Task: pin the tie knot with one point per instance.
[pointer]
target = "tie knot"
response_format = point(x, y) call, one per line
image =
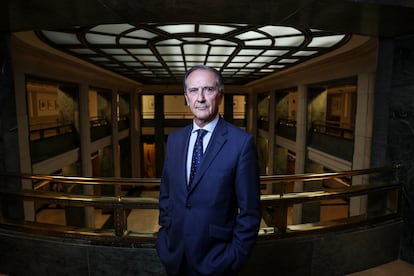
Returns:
point(201, 132)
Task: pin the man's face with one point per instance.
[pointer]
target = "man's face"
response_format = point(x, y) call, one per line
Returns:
point(202, 96)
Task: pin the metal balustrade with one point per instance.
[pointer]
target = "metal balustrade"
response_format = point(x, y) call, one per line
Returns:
point(275, 206)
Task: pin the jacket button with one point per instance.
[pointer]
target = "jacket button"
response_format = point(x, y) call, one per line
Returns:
point(188, 205)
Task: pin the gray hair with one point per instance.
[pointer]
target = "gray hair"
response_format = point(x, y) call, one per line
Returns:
point(219, 79)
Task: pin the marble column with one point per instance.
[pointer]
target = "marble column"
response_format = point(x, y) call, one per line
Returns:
point(301, 134)
point(393, 140)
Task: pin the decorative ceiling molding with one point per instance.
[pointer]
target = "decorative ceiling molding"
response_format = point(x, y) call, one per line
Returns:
point(161, 53)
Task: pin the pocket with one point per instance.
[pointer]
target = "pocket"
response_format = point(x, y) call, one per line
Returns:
point(221, 233)
point(163, 236)
point(166, 223)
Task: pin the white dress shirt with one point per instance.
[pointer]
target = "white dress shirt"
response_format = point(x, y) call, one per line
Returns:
point(206, 139)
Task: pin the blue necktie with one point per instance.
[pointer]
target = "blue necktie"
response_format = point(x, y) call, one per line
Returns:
point(197, 154)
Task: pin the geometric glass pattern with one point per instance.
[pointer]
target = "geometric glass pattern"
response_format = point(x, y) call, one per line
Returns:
point(161, 53)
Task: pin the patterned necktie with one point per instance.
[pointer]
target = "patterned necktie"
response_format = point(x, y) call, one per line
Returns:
point(197, 153)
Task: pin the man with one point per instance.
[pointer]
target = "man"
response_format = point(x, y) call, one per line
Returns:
point(209, 221)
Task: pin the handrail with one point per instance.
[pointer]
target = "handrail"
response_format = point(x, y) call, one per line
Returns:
point(143, 180)
point(326, 175)
point(59, 129)
point(98, 121)
point(279, 203)
point(286, 121)
point(324, 126)
point(302, 197)
point(54, 126)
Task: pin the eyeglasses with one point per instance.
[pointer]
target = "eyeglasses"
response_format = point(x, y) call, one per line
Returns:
point(207, 90)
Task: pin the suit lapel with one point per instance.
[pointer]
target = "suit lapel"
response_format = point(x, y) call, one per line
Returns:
point(218, 139)
point(181, 161)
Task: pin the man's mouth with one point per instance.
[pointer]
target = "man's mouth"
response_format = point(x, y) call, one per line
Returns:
point(201, 107)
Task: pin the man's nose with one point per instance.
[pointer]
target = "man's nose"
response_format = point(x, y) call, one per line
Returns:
point(200, 95)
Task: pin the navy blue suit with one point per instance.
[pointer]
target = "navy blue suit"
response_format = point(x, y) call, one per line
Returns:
point(213, 225)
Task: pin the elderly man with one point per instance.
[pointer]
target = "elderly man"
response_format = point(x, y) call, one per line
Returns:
point(209, 193)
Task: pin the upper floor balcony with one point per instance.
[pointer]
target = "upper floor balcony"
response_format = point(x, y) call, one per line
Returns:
point(47, 141)
point(325, 136)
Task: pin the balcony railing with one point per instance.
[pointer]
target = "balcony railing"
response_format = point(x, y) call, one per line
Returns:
point(275, 206)
point(49, 141)
point(41, 131)
point(263, 123)
point(332, 139)
point(286, 128)
point(332, 128)
point(123, 123)
point(100, 128)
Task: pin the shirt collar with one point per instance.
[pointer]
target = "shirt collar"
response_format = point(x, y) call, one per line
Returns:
point(209, 127)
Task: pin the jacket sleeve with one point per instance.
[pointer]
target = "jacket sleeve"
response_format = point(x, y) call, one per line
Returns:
point(164, 195)
point(247, 188)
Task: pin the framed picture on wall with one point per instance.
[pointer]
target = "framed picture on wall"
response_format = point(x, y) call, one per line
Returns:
point(51, 106)
point(42, 105)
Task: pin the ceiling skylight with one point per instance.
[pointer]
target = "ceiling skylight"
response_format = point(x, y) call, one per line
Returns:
point(161, 53)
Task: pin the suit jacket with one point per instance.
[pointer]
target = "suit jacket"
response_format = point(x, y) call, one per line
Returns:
point(213, 224)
